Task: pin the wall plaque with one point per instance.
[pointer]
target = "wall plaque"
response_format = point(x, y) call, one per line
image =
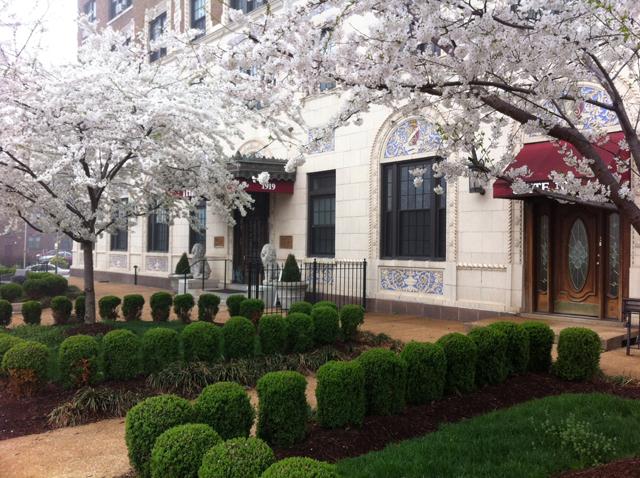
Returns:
point(286, 242)
point(218, 241)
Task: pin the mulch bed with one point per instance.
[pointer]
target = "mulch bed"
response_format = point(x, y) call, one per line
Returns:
point(627, 468)
point(89, 329)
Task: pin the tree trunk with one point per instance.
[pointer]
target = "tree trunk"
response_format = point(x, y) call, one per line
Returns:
point(89, 289)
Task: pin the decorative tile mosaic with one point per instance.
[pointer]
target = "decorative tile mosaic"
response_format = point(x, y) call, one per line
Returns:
point(118, 261)
point(324, 273)
point(156, 264)
point(324, 146)
point(422, 281)
point(412, 136)
point(591, 115)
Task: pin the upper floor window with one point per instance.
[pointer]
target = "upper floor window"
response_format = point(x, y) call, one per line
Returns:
point(90, 10)
point(116, 7)
point(197, 232)
point(246, 5)
point(198, 15)
point(328, 44)
point(322, 214)
point(156, 29)
point(120, 238)
point(158, 231)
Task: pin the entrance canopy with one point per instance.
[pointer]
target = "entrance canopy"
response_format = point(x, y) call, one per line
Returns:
point(542, 158)
point(248, 166)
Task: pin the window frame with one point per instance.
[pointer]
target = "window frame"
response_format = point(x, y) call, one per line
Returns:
point(193, 21)
point(155, 55)
point(243, 5)
point(328, 192)
point(113, 7)
point(90, 10)
point(154, 230)
point(437, 213)
point(194, 234)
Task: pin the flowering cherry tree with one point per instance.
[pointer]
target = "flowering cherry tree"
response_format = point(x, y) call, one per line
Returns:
point(86, 148)
point(487, 73)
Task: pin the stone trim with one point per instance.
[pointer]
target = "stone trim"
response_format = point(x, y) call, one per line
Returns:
point(431, 311)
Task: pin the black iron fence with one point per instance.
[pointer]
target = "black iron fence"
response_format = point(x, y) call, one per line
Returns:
point(340, 281)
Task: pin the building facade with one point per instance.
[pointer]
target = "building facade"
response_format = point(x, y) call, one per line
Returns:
point(468, 253)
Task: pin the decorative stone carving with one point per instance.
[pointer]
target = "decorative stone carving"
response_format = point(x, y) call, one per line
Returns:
point(118, 261)
point(199, 266)
point(156, 264)
point(268, 257)
point(421, 281)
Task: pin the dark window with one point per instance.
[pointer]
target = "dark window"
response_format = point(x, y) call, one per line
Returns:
point(90, 10)
point(246, 5)
point(198, 235)
point(327, 42)
point(116, 7)
point(158, 231)
point(156, 29)
point(199, 15)
point(413, 218)
point(322, 214)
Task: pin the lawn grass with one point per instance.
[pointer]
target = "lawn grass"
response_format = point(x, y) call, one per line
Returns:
point(537, 439)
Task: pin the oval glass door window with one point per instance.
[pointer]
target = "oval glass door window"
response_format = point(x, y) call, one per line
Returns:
point(578, 254)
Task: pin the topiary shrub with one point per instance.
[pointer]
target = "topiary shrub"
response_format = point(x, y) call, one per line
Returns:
point(541, 339)
point(301, 467)
point(183, 267)
point(340, 394)
point(273, 334)
point(6, 311)
point(252, 309)
point(578, 354)
point(108, 307)
point(283, 408)
point(426, 372)
point(326, 325)
point(226, 407)
point(32, 312)
point(160, 303)
point(178, 452)
point(233, 304)
point(61, 307)
point(385, 381)
point(208, 305)
point(149, 419)
point(121, 354)
point(26, 364)
point(462, 355)
point(237, 458)
point(517, 346)
point(54, 284)
point(302, 306)
point(182, 305)
point(325, 303)
point(351, 316)
point(300, 331)
point(79, 308)
point(201, 342)
point(132, 305)
point(160, 347)
point(239, 336)
point(291, 271)
point(10, 292)
point(34, 288)
point(78, 361)
point(491, 364)
point(6, 342)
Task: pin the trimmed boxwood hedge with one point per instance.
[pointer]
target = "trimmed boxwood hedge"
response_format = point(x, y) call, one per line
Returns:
point(351, 316)
point(491, 365)
point(149, 419)
point(283, 408)
point(11, 291)
point(61, 307)
point(233, 304)
point(178, 452)
point(300, 327)
point(252, 309)
point(160, 347)
point(202, 342)
point(239, 338)
point(6, 342)
point(301, 467)
point(182, 306)
point(34, 288)
point(132, 305)
point(385, 381)
point(340, 394)
point(517, 346)
point(27, 356)
point(302, 306)
point(121, 354)
point(578, 354)
point(326, 324)
point(79, 308)
point(32, 312)
point(462, 354)
point(108, 307)
point(226, 407)
point(6, 311)
point(208, 305)
point(78, 361)
point(160, 303)
point(325, 303)
point(426, 371)
point(273, 333)
point(541, 339)
point(237, 458)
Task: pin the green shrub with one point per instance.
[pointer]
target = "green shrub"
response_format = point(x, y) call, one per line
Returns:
point(54, 284)
point(34, 288)
point(252, 309)
point(78, 361)
point(462, 355)
point(291, 271)
point(301, 467)
point(6, 342)
point(340, 394)
point(273, 334)
point(6, 311)
point(426, 372)
point(80, 308)
point(208, 305)
point(283, 408)
point(239, 336)
point(148, 420)
point(26, 363)
point(121, 354)
point(108, 307)
point(160, 347)
point(541, 339)
point(10, 292)
point(578, 354)
point(178, 452)
point(491, 364)
point(300, 331)
point(385, 379)
point(233, 304)
point(61, 307)
point(226, 407)
point(351, 316)
point(183, 267)
point(59, 261)
point(302, 306)
point(132, 306)
point(201, 342)
point(325, 303)
point(160, 303)
point(31, 312)
point(182, 305)
point(517, 346)
point(237, 458)
point(326, 325)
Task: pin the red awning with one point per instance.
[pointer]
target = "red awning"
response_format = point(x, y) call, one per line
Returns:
point(542, 158)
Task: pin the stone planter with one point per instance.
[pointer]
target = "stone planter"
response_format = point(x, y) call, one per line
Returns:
point(290, 292)
point(175, 281)
point(267, 293)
